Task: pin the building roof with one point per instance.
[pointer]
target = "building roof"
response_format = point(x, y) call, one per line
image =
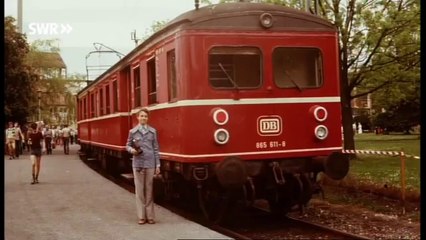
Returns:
point(47, 60)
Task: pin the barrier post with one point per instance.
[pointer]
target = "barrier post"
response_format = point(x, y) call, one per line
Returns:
point(402, 157)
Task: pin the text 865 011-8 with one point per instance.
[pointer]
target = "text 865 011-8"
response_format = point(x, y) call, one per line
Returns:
point(270, 144)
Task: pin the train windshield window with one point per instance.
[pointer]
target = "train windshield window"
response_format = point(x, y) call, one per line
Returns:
point(297, 67)
point(235, 67)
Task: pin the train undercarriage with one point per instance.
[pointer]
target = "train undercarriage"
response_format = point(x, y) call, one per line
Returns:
point(286, 184)
point(217, 188)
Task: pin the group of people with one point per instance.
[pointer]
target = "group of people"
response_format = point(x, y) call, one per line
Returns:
point(14, 139)
point(17, 140)
point(33, 138)
point(59, 136)
point(142, 143)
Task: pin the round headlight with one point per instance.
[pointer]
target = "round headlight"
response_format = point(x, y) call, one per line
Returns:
point(321, 132)
point(220, 117)
point(221, 136)
point(320, 113)
point(266, 20)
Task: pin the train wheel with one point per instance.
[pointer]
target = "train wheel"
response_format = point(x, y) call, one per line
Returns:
point(282, 198)
point(279, 206)
point(308, 189)
point(213, 204)
point(304, 191)
point(168, 186)
point(159, 190)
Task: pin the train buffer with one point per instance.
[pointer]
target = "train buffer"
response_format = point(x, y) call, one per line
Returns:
point(71, 201)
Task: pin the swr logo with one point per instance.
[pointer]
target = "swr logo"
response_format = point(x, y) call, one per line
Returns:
point(269, 125)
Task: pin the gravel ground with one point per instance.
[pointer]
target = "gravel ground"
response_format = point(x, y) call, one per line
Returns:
point(386, 221)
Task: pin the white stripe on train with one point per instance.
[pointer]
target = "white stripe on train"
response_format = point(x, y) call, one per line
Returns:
point(351, 151)
point(218, 102)
point(221, 154)
point(242, 101)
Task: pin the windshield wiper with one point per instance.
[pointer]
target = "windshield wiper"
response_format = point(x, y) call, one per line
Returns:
point(294, 82)
point(227, 75)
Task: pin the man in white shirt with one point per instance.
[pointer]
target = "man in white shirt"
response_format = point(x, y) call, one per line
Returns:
point(10, 140)
point(66, 139)
point(19, 136)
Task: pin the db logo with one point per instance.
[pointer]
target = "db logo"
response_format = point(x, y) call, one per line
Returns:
point(269, 125)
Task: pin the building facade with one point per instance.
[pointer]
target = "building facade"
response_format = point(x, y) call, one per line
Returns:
point(55, 101)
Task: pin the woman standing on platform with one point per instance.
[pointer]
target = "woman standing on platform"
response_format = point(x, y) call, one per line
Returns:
point(35, 140)
point(142, 143)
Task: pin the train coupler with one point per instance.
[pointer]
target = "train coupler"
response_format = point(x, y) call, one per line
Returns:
point(317, 189)
point(249, 192)
point(300, 197)
point(200, 173)
point(278, 174)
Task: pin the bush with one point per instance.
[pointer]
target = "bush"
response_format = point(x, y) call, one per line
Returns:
point(400, 117)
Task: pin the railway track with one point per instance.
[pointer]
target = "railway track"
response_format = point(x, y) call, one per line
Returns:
point(253, 223)
point(338, 233)
point(258, 223)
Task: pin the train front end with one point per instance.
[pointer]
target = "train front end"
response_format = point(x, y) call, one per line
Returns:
point(260, 111)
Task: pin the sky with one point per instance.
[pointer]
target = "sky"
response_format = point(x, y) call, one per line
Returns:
point(78, 24)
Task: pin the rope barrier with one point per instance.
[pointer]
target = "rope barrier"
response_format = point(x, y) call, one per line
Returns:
point(412, 156)
point(375, 152)
point(389, 153)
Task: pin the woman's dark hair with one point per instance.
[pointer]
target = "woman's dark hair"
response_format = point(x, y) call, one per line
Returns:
point(34, 126)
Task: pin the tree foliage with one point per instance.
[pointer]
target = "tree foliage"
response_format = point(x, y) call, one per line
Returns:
point(155, 27)
point(55, 88)
point(401, 116)
point(20, 79)
point(379, 48)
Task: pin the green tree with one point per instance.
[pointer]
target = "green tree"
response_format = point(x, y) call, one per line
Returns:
point(378, 47)
point(57, 90)
point(20, 79)
point(402, 116)
point(155, 27)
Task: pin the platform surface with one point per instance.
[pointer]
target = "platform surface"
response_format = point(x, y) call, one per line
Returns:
point(74, 202)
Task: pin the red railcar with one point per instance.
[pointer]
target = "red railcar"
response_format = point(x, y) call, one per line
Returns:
point(244, 96)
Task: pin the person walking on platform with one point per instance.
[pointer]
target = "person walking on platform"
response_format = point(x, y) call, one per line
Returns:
point(27, 136)
point(142, 143)
point(66, 139)
point(48, 140)
point(35, 139)
point(19, 136)
point(10, 140)
point(72, 135)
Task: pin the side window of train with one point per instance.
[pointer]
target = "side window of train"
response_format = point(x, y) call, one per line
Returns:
point(115, 96)
point(97, 103)
point(171, 74)
point(92, 105)
point(235, 67)
point(137, 86)
point(107, 100)
point(152, 82)
point(85, 108)
point(297, 67)
point(101, 102)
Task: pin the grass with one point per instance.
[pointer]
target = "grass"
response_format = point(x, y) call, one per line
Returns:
point(410, 144)
point(373, 176)
point(386, 170)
